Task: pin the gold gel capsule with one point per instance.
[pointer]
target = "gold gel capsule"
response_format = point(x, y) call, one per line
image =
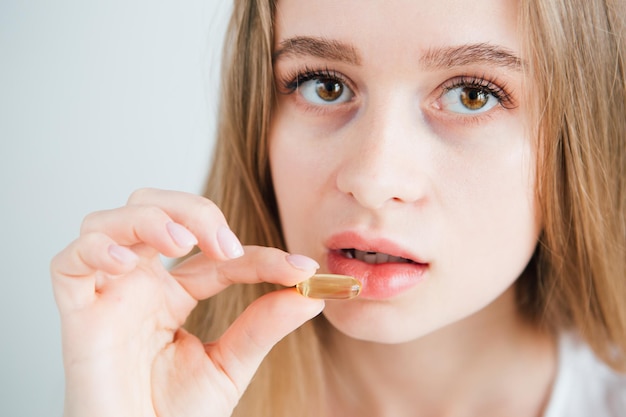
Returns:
point(330, 287)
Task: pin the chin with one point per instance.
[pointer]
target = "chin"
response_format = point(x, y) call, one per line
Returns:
point(375, 323)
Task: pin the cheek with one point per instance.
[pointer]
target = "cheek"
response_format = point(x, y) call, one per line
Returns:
point(496, 202)
point(297, 177)
point(491, 226)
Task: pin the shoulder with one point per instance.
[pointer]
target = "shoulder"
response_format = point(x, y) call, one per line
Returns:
point(584, 385)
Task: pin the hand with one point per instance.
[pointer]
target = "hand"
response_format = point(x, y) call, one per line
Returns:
point(124, 351)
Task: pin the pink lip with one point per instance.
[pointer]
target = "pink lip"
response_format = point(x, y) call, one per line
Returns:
point(380, 281)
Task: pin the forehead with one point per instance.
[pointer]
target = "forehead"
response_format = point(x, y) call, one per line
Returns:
point(382, 27)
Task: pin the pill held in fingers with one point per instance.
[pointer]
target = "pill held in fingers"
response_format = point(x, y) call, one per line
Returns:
point(330, 287)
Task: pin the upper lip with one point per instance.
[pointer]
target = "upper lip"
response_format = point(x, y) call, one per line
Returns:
point(363, 242)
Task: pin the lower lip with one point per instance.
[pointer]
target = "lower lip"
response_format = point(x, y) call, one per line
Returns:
point(379, 281)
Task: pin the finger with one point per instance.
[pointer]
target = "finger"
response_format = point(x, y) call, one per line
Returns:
point(130, 225)
point(264, 323)
point(198, 214)
point(74, 269)
point(202, 277)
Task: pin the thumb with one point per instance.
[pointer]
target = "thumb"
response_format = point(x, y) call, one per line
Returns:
point(241, 349)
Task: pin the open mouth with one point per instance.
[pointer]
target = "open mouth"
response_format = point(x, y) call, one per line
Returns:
point(384, 267)
point(374, 258)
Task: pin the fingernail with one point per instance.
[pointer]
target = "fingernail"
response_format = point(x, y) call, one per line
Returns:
point(183, 237)
point(302, 262)
point(229, 244)
point(122, 254)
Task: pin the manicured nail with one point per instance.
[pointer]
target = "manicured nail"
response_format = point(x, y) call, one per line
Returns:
point(183, 237)
point(230, 245)
point(122, 254)
point(302, 262)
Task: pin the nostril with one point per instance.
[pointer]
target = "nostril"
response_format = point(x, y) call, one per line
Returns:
point(375, 192)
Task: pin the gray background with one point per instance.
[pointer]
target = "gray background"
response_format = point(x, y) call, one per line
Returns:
point(97, 98)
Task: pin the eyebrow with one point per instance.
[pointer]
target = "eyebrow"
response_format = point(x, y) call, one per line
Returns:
point(479, 53)
point(317, 47)
point(445, 57)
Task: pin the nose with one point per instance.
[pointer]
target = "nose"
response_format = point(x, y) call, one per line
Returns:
point(385, 158)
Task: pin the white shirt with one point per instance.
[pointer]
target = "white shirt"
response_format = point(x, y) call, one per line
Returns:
point(585, 386)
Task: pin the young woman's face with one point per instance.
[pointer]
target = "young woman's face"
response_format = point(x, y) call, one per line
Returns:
point(400, 155)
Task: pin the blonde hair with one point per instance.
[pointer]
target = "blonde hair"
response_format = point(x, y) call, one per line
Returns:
point(576, 51)
point(575, 56)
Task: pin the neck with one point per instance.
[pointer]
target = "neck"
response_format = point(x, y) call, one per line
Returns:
point(487, 364)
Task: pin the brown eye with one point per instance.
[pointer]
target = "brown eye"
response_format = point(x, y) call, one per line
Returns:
point(328, 89)
point(468, 99)
point(325, 91)
point(474, 98)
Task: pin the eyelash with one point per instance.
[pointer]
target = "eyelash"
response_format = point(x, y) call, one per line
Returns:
point(289, 84)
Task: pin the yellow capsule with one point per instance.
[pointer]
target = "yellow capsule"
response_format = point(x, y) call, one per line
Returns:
point(330, 287)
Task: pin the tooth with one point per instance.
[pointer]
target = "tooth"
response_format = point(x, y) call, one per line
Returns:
point(382, 258)
point(370, 257)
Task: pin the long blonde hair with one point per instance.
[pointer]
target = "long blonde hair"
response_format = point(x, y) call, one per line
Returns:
point(577, 56)
point(575, 53)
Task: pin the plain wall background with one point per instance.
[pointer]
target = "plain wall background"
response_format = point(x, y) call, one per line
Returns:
point(97, 98)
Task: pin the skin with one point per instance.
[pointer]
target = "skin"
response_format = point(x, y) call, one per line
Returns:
point(396, 161)
point(121, 310)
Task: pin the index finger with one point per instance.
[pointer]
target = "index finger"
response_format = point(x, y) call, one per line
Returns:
point(203, 277)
